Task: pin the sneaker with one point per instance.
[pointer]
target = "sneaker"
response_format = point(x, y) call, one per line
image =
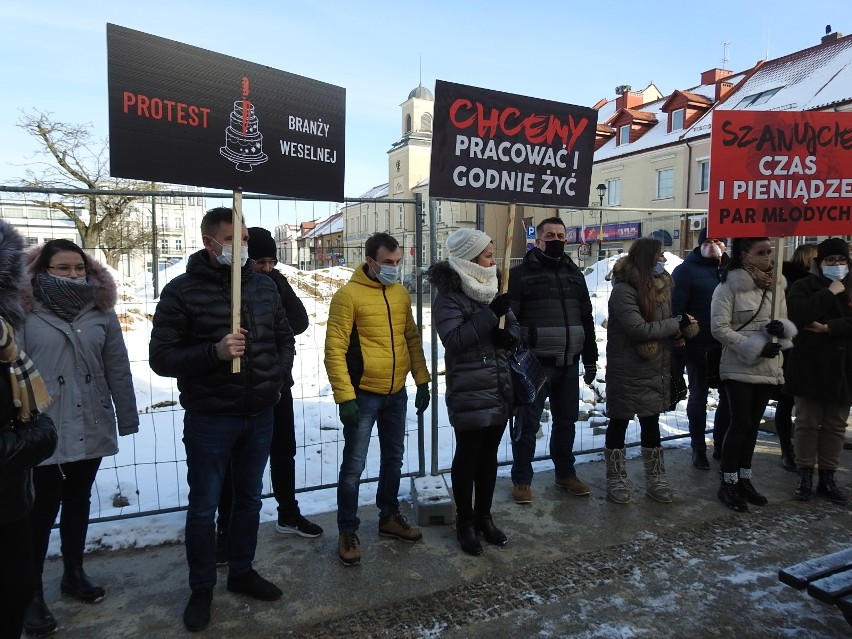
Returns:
point(298, 526)
point(573, 486)
point(196, 615)
point(397, 527)
point(522, 493)
point(349, 549)
point(221, 548)
point(253, 585)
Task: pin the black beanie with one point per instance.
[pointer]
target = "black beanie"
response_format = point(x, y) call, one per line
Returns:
point(702, 237)
point(261, 244)
point(831, 246)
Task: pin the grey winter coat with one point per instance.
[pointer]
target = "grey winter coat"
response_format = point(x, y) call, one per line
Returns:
point(479, 382)
point(638, 352)
point(737, 301)
point(85, 368)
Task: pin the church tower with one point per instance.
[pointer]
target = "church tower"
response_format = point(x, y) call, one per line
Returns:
point(408, 159)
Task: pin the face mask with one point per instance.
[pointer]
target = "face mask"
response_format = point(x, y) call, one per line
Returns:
point(658, 269)
point(79, 281)
point(227, 256)
point(387, 274)
point(554, 249)
point(836, 272)
point(711, 250)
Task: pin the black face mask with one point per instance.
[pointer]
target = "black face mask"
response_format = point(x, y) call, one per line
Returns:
point(554, 249)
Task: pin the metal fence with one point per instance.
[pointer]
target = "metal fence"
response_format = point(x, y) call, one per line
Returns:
point(147, 476)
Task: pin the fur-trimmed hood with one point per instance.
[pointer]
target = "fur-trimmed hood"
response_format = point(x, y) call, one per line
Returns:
point(12, 274)
point(106, 292)
point(626, 271)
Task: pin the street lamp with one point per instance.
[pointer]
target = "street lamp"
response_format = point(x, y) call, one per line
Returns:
point(601, 193)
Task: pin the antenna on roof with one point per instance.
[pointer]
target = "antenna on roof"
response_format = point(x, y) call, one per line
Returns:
point(725, 44)
point(420, 83)
point(827, 29)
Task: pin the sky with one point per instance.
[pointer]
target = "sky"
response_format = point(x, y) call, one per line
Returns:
point(54, 54)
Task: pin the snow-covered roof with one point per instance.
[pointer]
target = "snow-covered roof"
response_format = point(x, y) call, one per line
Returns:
point(327, 226)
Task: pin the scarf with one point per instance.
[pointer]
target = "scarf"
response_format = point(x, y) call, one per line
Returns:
point(479, 283)
point(762, 279)
point(65, 300)
point(29, 394)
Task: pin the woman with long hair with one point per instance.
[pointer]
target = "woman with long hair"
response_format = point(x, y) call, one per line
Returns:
point(797, 268)
point(73, 335)
point(640, 334)
point(741, 319)
point(479, 397)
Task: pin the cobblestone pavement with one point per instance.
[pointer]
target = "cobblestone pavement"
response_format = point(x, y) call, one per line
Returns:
point(574, 567)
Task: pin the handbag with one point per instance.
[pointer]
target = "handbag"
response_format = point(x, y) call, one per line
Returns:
point(678, 390)
point(528, 376)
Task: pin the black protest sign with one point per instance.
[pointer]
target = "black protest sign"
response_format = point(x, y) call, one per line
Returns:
point(500, 147)
point(186, 115)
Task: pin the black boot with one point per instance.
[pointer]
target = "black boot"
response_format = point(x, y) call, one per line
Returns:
point(466, 533)
point(492, 534)
point(788, 461)
point(76, 583)
point(729, 493)
point(828, 486)
point(748, 491)
point(38, 622)
point(699, 460)
point(805, 485)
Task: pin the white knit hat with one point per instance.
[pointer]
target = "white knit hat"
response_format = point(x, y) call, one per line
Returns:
point(466, 244)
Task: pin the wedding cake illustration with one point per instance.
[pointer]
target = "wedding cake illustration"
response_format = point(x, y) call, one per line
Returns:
point(243, 140)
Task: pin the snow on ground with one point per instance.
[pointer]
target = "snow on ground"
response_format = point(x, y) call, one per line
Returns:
point(149, 471)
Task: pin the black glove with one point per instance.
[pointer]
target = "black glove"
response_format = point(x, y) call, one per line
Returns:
point(503, 338)
point(684, 320)
point(500, 305)
point(775, 328)
point(589, 374)
point(770, 350)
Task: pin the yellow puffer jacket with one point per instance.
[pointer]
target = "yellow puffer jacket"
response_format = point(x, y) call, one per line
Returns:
point(371, 340)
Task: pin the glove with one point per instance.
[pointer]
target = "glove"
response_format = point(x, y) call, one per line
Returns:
point(589, 374)
point(685, 320)
point(349, 413)
point(770, 350)
point(500, 305)
point(775, 328)
point(421, 400)
point(503, 338)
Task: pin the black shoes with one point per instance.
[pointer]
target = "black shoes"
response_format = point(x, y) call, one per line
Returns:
point(804, 489)
point(76, 583)
point(297, 525)
point(253, 585)
point(827, 486)
point(788, 462)
point(729, 494)
point(466, 534)
point(38, 622)
point(699, 460)
point(492, 534)
point(196, 615)
point(750, 494)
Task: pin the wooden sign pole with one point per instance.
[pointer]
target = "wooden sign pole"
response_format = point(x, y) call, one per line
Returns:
point(236, 271)
point(507, 255)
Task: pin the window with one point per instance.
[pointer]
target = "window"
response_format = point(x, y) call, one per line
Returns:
point(178, 245)
point(439, 211)
point(178, 222)
point(703, 176)
point(375, 221)
point(408, 123)
point(32, 241)
point(613, 192)
point(756, 98)
point(400, 221)
point(624, 134)
point(164, 245)
point(677, 119)
point(665, 184)
point(364, 228)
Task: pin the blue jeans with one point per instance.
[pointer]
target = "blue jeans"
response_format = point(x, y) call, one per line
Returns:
point(388, 412)
point(212, 442)
point(563, 389)
point(696, 404)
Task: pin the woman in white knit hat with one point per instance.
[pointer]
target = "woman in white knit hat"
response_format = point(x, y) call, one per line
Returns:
point(466, 312)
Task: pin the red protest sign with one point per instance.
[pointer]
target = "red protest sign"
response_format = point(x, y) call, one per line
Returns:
point(780, 174)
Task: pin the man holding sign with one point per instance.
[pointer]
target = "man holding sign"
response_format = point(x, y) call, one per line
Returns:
point(228, 416)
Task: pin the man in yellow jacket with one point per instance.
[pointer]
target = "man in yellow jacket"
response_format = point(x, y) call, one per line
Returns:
point(371, 344)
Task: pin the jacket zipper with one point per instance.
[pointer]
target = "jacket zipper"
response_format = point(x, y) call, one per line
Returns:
point(393, 345)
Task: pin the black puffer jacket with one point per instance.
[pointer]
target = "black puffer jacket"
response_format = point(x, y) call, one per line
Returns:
point(551, 301)
point(194, 314)
point(479, 382)
point(819, 366)
point(297, 316)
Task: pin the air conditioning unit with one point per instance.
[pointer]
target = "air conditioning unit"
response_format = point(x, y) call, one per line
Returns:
point(697, 223)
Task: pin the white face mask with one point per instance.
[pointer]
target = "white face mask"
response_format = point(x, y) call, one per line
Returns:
point(836, 272)
point(711, 249)
point(659, 268)
point(227, 256)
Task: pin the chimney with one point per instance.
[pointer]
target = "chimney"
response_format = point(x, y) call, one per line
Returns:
point(627, 99)
point(830, 36)
point(714, 75)
point(722, 89)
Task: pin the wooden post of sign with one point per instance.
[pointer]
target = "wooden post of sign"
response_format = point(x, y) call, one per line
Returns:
point(507, 256)
point(778, 291)
point(236, 271)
